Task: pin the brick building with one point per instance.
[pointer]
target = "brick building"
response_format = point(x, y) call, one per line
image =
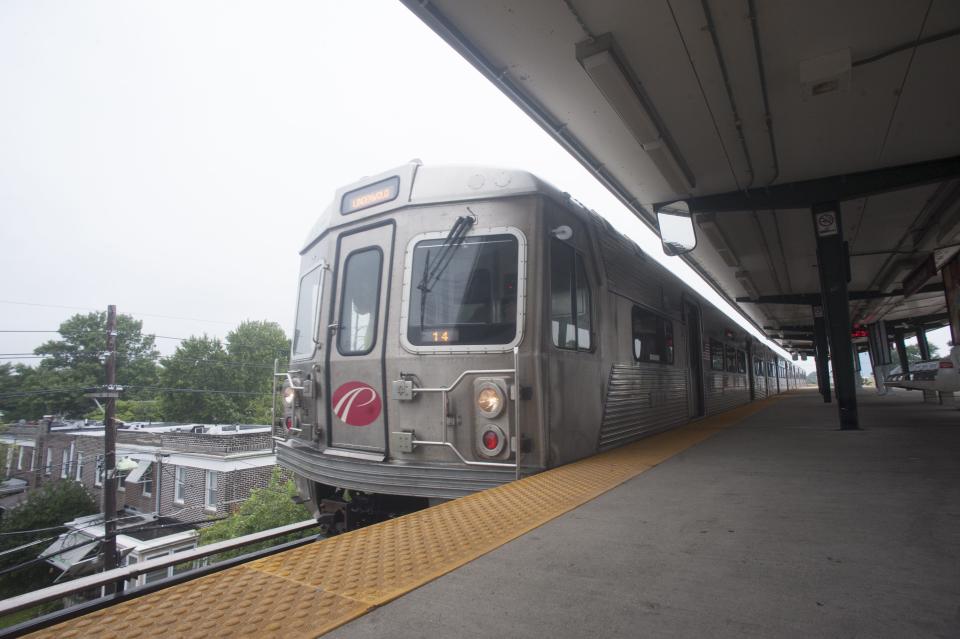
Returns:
point(187, 472)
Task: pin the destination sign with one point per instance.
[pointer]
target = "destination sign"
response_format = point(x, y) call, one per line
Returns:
point(370, 195)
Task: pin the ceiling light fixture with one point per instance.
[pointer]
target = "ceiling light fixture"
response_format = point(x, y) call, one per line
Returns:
point(601, 59)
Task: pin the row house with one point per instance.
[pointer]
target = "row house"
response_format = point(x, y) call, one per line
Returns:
point(185, 472)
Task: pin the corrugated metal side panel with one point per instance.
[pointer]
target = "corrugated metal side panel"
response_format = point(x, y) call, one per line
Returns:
point(760, 388)
point(725, 391)
point(773, 385)
point(642, 399)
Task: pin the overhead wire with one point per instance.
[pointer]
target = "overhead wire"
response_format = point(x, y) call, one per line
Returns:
point(100, 310)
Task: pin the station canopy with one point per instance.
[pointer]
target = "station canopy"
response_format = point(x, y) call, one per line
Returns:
point(751, 112)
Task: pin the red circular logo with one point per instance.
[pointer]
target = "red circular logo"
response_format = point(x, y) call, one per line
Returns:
point(356, 403)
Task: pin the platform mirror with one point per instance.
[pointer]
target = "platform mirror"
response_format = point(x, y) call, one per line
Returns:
point(676, 228)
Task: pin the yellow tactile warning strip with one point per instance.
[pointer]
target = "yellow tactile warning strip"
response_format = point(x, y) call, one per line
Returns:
point(308, 591)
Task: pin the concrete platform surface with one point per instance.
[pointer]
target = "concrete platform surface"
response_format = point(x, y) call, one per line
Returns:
point(780, 526)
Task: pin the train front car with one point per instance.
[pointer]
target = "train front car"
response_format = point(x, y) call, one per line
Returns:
point(410, 325)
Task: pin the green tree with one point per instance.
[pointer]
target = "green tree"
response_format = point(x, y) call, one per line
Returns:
point(201, 373)
point(31, 396)
point(133, 410)
point(266, 508)
point(913, 353)
point(50, 505)
point(75, 362)
point(228, 382)
point(252, 347)
point(9, 384)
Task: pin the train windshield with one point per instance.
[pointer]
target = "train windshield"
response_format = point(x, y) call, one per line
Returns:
point(464, 293)
point(307, 301)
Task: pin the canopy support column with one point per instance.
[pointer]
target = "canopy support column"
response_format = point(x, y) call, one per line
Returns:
point(822, 353)
point(832, 263)
point(901, 351)
point(922, 342)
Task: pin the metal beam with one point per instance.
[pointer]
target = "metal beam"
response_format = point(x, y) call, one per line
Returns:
point(806, 193)
point(910, 323)
point(808, 299)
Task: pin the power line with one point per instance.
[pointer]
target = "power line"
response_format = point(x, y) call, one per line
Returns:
point(49, 528)
point(92, 540)
point(164, 389)
point(100, 310)
point(182, 339)
point(30, 331)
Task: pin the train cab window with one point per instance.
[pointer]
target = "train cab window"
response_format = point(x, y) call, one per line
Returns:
point(716, 355)
point(652, 337)
point(464, 294)
point(359, 304)
point(741, 362)
point(305, 326)
point(570, 299)
point(731, 358)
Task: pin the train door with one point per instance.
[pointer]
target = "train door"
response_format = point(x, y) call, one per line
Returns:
point(751, 371)
point(695, 356)
point(572, 402)
point(356, 410)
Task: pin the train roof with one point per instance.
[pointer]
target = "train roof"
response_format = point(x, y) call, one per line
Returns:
point(415, 184)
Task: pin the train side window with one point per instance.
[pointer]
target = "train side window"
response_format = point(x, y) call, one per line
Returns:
point(731, 357)
point(652, 337)
point(359, 305)
point(741, 362)
point(570, 299)
point(716, 355)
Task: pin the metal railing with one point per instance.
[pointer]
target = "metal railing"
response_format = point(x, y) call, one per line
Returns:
point(61, 590)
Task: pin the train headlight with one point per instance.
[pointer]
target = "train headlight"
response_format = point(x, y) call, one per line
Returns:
point(490, 400)
point(289, 396)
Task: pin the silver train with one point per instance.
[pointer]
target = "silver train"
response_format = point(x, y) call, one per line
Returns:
point(459, 327)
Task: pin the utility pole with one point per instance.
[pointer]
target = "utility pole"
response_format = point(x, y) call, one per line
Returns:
point(110, 451)
point(273, 405)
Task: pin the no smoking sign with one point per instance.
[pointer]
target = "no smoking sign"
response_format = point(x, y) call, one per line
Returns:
point(826, 223)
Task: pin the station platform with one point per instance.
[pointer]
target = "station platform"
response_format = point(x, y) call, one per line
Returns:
point(779, 526)
point(764, 521)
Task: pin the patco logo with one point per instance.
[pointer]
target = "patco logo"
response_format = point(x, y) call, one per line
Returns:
point(356, 403)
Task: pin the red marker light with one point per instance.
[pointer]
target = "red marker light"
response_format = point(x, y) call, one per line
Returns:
point(946, 364)
point(490, 440)
point(289, 423)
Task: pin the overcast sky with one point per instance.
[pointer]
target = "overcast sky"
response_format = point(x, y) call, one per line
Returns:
point(170, 157)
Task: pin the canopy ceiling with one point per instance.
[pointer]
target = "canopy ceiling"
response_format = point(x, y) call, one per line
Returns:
point(754, 101)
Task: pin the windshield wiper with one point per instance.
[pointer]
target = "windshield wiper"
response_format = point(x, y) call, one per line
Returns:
point(454, 239)
point(423, 291)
